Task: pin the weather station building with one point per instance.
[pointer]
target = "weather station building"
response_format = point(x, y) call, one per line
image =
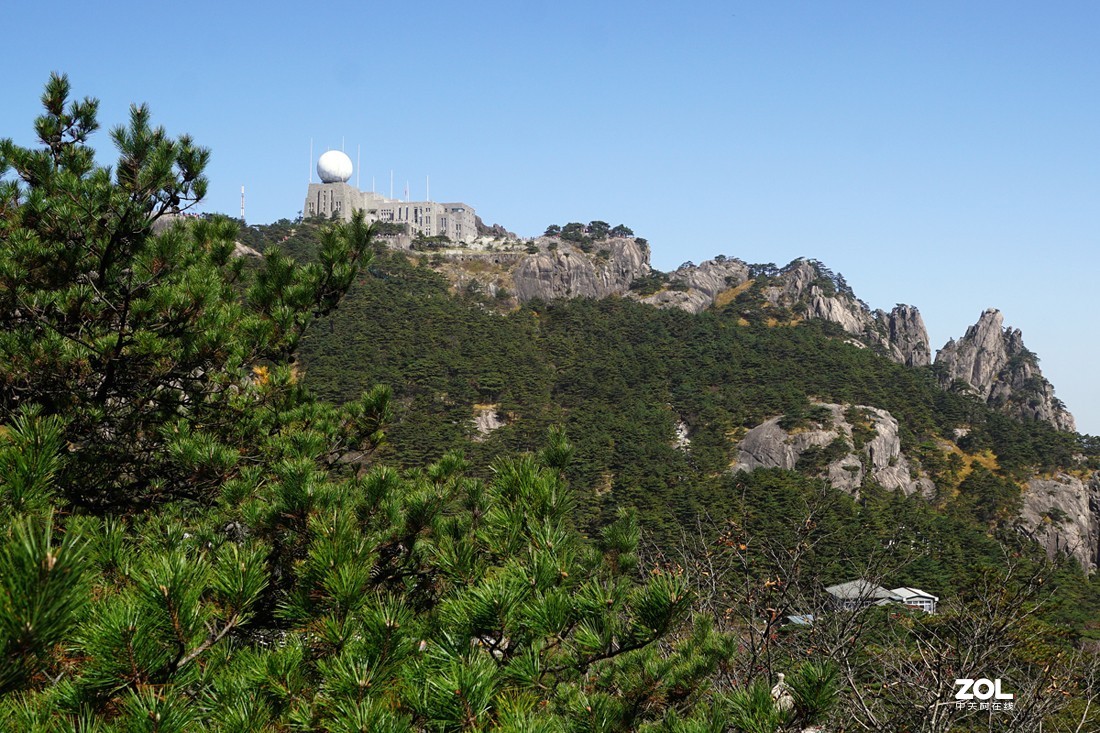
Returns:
point(334, 197)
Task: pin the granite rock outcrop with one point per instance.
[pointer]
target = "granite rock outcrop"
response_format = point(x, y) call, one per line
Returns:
point(697, 287)
point(868, 448)
point(809, 290)
point(568, 272)
point(1062, 513)
point(992, 363)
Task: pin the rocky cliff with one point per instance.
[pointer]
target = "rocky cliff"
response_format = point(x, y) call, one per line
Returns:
point(845, 444)
point(810, 290)
point(907, 336)
point(1063, 514)
point(848, 446)
point(695, 288)
point(804, 287)
point(567, 272)
point(992, 362)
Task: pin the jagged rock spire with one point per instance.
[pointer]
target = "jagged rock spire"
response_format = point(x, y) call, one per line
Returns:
point(994, 363)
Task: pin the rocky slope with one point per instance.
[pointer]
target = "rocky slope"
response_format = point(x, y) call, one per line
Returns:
point(848, 446)
point(811, 291)
point(855, 443)
point(695, 288)
point(992, 362)
point(567, 272)
point(1063, 514)
point(549, 268)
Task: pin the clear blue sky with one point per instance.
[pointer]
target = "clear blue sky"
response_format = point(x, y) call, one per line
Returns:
point(942, 154)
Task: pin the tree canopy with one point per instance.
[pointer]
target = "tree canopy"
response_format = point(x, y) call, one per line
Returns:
point(191, 539)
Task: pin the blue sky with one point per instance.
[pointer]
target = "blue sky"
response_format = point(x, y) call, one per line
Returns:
point(942, 154)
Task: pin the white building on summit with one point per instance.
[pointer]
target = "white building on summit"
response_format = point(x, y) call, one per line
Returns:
point(335, 197)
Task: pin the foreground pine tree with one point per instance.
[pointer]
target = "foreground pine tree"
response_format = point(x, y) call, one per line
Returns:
point(191, 542)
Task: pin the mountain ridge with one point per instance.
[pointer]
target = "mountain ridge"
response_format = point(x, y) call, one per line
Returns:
point(990, 360)
point(521, 283)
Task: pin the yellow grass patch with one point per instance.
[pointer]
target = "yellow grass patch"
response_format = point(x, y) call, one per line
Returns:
point(726, 297)
point(986, 459)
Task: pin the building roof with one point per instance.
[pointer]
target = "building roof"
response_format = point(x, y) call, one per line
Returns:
point(907, 593)
point(861, 590)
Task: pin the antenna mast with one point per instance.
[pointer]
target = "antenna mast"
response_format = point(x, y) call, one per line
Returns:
point(428, 188)
point(311, 160)
point(358, 157)
point(242, 203)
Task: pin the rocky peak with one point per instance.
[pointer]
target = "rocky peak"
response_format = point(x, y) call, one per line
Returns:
point(994, 364)
point(697, 286)
point(908, 336)
point(568, 272)
point(809, 289)
point(494, 230)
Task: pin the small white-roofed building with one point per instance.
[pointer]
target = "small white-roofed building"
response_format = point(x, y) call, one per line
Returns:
point(916, 598)
point(857, 594)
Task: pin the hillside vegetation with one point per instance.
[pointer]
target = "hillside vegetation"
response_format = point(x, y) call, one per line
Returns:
point(319, 491)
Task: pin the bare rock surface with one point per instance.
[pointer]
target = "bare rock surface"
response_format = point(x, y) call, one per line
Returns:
point(809, 290)
point(907, 336)
point(698, 286)
point(568, 272)
point(879, 455)
point(487, 418)
point(994, 364)
point(1062, 513)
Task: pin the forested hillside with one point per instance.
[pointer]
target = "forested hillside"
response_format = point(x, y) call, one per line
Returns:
point(316, 490)
point(623, 378)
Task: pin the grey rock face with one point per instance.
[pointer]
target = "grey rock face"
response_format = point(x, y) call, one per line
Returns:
point(570, 273)
point(700, 284)
point(1063, 514)
point(900, 334)
point(770, 446)
point(995, 364)
point(908, 336)
point(692, 301)
point(243, 250)
point(682, 439)
point(713, 276)
point(487, 418)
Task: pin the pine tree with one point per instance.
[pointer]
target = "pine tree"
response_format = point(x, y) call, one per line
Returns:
point(123, 331)
point(193, 542)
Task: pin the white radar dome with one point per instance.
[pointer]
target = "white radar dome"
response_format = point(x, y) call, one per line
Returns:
point(334, 167)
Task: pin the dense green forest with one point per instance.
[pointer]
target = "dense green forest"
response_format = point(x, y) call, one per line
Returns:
point(249, 494)
point(619, 376)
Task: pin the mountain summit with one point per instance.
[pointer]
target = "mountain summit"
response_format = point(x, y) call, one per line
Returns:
point(992, 362)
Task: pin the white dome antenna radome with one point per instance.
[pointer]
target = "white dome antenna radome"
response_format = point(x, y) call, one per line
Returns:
point(334, 167)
